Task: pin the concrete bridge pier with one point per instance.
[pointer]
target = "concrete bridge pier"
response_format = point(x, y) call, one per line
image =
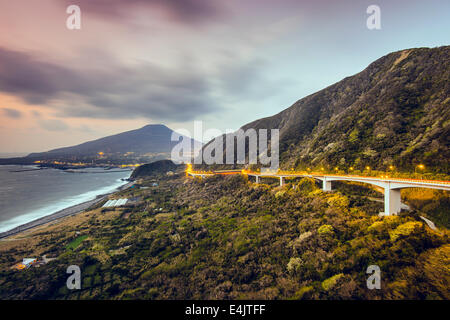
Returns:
point(392, 201)
point(326, 185)
point(257, 179)
point(281, 181)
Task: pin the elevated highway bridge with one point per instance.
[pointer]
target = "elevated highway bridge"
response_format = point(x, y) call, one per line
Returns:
point(391, 186)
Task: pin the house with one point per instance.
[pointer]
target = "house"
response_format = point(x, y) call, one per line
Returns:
point(26, 263)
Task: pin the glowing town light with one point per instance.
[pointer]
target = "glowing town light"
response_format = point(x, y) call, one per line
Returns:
point(188, 169)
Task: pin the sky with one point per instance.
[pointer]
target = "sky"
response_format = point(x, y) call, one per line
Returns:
point(223, 62)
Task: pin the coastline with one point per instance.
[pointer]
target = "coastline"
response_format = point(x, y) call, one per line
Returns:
point(69, 211)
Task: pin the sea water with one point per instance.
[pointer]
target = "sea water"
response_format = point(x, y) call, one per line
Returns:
point(29, 195)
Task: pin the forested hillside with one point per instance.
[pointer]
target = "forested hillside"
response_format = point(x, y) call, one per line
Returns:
point(395, 112)
point(226, 238)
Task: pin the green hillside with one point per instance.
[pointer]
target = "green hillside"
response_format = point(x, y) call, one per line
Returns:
point(395, 112)
point(226, 238)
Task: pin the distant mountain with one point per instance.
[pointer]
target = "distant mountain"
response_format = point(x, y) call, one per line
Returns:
point(151, 139)
point(396, 111)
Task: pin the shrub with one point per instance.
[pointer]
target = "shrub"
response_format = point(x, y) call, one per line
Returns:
point(338, 201)
point(294, 265)
point(325, 229)
point(301, 292)
point(377, 226)
point(305, 235)
point(331, 282)
point(405, 229)
point(280, 193)
point(436, 267)
point(307, 185)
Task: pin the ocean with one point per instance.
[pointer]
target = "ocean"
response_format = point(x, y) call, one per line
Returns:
point(32, 194)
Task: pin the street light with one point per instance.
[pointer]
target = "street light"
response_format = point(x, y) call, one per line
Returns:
point(421, 167)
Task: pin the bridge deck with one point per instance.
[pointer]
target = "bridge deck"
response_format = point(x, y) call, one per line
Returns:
point(401, 181)
point(391, 186)
point(297, 175)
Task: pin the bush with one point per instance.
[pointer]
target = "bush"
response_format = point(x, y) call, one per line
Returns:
point(436, 268)
point(294, 265)
point(305, 235)
point(307, 185)
point(331, 282)
point(377, 226)
point(325, 229)
point(405, 229)
point(338, 201)
point(299, 294)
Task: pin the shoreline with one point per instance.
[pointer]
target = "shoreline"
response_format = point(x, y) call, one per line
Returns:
point(66, 212)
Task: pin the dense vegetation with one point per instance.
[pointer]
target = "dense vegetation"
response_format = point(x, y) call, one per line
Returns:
point(154, 168)
point(227, 238)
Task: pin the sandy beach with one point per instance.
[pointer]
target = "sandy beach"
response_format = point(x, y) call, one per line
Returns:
point(78, 208)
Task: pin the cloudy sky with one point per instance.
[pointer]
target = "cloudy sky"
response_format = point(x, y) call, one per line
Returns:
point(225, 62)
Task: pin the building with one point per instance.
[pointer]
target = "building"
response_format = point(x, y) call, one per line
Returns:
point(115, 203)
point(26, 263)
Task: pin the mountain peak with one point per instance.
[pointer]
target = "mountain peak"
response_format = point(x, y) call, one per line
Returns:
point(393, 112)
point(150, 139)
point(148, 126)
